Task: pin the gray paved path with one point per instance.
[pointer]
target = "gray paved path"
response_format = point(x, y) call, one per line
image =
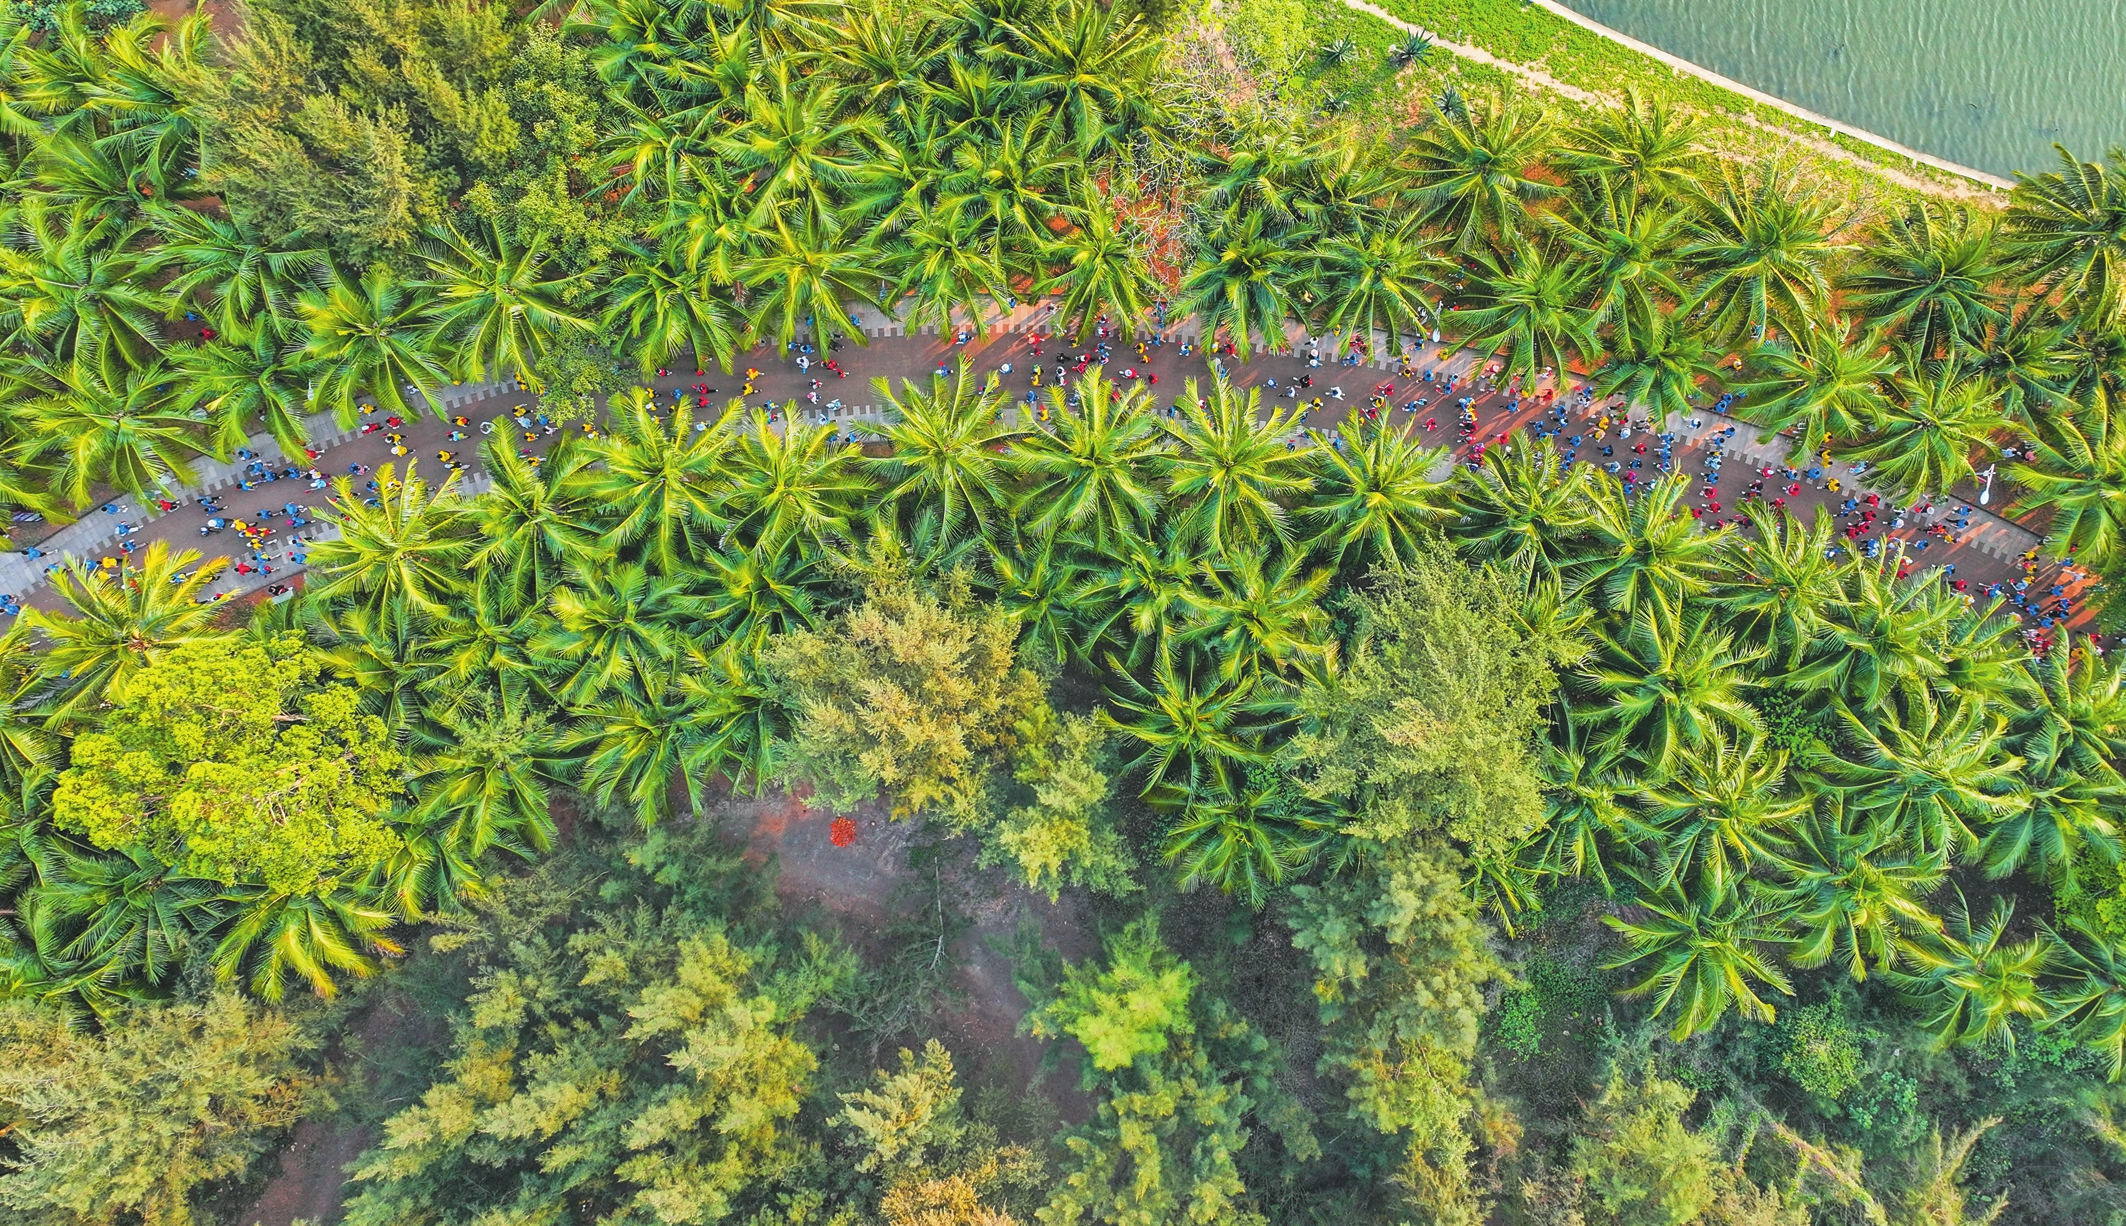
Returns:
point(1986, 551)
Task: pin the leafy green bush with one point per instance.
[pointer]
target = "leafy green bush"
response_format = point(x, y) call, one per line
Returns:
point(1820, 1050)
point(42, 16)
point(1519, 1028)
point(1887, 1109)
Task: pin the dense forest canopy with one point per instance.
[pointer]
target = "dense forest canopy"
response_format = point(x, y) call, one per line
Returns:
point(1432, 841)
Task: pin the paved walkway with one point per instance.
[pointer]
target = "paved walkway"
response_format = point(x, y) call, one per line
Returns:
point(1987, 550)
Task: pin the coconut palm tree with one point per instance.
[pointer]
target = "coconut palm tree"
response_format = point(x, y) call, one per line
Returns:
point(278, 939)
point(1098, 268)
point(1704, 954)
point(1778, 581)
point(1630, 250)
point(976, 96)
point(806, 277)
point(1974, 978)
point(1246, 283)
point(1882, 636)
point(1761, 250)
point(1938, 417)
point(648, 152)
point(661, 482)
point(706, 230)
point(432, 873)
point(120, 621)
point(1194, 730)
point(483, 769)
point(1245, 836)
point(885, 61)
point(945, 269)
point(1645, 550)
point(616, 633)
point(1231, 470)
point(1267, 171)
point(793, 489)
point(1376, 493)
point(76, 285)
point(2093, 365)
point(1584, 788)
point(149, 96)
point(800, 146)
point(1040, 587)
point(1139, 594)
point(1672, 682)
point(493, 305)
point(947, 443)
point(1933, 770)
point(2060, 827)
point(120, 429)
point(1529, 303)
point(1639, 151)
point(231, 274)
point(387, 652)
point(1851, 893)
point(370, 337)
point(1524, 507)
point(1821, 383)
point(1720, 812)
point(2077, 471)
point(1472, 170)
point(754, 593)
point(1093, 470)
point(663, 303)
point(2078, 712)
point(2087, 997)
point(20, 117)
point(1381, 279)
point(2065, 737)
point(117, 918)
point(1259, 615)
point(711, 719)
point(27, 751)
point(1012, 183)
point(1927, 279)
point(69, 168)
point(1657, 360)
point(1091, 65)
point(2066, 230)
point(242, 383)
point(2022, 356)
point(482, 650)
point(536, 522)
point(409, 548)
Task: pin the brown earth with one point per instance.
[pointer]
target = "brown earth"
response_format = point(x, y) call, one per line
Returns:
point(311, 1182)
point(860, 888)
point(865, 885)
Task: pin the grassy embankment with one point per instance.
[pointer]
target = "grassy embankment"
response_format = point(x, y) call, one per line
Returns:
point(1371, 90)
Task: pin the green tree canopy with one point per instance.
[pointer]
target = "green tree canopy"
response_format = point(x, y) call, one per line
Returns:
point(227, 756)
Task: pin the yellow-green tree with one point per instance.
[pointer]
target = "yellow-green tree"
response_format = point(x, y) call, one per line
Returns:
point(123, 1125)
point(229, 759)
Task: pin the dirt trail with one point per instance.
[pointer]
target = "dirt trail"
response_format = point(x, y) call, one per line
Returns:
point(856, 885)
point(312, 1180)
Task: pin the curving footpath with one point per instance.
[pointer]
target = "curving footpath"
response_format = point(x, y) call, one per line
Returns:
point(1987, 550)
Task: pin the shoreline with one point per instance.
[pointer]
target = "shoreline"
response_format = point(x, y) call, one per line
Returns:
point(1954, 181)
point(1677, 62)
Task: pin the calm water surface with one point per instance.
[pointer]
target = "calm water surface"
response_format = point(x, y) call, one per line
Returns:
point(1989, 84)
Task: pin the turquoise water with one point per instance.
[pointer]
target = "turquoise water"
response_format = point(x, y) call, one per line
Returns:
point(1989, 84)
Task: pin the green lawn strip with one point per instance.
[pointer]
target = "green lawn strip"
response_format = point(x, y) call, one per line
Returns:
point(1542, 41)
